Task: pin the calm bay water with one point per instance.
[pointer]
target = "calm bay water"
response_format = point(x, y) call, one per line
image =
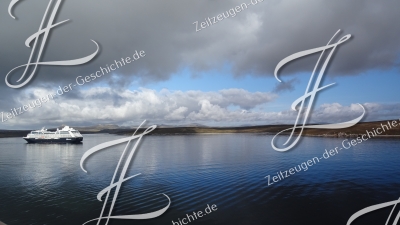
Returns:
point(44, 184)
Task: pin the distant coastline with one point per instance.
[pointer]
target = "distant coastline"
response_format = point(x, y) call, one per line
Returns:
point(353, 131)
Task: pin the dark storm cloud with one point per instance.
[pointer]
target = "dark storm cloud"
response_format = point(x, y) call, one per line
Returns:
point(253, 41)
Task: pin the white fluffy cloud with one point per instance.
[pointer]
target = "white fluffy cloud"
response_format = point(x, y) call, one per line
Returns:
point(105, 105)
point(225, 107)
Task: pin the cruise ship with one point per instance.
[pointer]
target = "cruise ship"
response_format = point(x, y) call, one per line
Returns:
point(65, 135)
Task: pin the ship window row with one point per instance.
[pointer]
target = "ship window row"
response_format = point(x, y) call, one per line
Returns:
point(41, 134)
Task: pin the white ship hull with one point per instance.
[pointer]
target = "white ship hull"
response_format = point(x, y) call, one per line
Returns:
point(53, 140)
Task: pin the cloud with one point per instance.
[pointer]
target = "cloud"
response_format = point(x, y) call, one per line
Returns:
point(106, 105)
point(285, 85)
point(222, 108)
point(253, 41)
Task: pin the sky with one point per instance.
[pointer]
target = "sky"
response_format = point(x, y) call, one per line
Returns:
point(218, 75)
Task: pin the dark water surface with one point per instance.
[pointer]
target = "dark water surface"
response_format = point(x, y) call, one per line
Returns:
point(44, 184)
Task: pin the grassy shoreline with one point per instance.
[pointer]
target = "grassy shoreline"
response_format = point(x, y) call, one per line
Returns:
point(354, 131)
